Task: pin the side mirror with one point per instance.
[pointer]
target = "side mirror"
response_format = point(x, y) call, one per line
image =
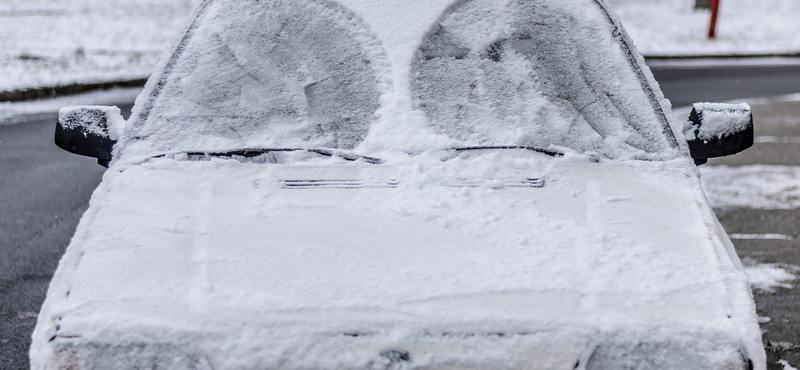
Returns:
point(84, 130)
point(718, 130)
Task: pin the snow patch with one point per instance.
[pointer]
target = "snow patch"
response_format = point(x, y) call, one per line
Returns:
point(768, 276)
point(100, 121)
point(786, 365)
point(758, 186)
point(717, 121)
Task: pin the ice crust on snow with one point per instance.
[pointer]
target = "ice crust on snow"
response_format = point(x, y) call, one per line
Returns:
point(351, 75)
point(718, 120)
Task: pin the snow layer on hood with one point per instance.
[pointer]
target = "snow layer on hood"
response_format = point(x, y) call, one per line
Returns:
point(221, 254)
point(354, 74)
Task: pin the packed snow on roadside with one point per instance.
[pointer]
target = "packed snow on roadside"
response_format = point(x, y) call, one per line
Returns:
point(757, 186)
point(673, 27)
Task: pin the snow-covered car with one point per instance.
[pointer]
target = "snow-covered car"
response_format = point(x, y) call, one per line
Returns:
point(400, 184)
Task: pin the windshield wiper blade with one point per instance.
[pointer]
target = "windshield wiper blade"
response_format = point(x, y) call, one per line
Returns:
point(251, 153)
point(552, 153)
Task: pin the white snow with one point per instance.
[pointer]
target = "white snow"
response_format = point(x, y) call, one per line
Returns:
point(718, 120)
point(786, 365)
point(758, 186)
point(673, 27)
point(768, 276)
point(46, 43)
point(103, 121)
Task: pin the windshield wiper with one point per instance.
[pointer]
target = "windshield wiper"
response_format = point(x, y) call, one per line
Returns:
point(251, 153)
point(552, 153)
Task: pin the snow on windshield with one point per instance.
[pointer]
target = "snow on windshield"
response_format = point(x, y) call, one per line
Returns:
point(534, 73)
point(268, 74)
point(313, 73)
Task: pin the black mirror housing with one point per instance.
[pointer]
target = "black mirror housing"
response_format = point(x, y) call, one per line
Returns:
point(84, 130)
point(718, 130)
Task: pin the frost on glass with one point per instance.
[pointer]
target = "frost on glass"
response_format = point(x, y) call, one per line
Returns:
point(282, 73)
point(535, 73)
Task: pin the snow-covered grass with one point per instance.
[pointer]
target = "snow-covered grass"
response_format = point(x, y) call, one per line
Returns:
point(45, 42)
point(673, 27)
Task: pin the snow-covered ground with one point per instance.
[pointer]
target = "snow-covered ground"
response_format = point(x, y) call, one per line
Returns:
point(46, 42)
point(673, 27)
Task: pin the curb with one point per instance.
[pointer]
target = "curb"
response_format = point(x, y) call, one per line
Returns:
point(721, 56)
point(62, 90)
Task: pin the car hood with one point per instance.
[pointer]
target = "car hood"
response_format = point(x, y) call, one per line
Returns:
point(346, 261)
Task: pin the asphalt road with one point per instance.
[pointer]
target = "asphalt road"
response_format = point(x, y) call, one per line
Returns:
point(698, 82)
point(44, 191)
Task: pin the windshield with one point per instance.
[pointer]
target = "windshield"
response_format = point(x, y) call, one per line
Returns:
point(313, 74)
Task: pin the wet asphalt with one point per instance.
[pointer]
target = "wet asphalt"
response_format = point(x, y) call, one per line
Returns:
point(44, 191)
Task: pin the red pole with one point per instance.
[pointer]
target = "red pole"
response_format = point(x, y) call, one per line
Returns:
point(712, 26)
